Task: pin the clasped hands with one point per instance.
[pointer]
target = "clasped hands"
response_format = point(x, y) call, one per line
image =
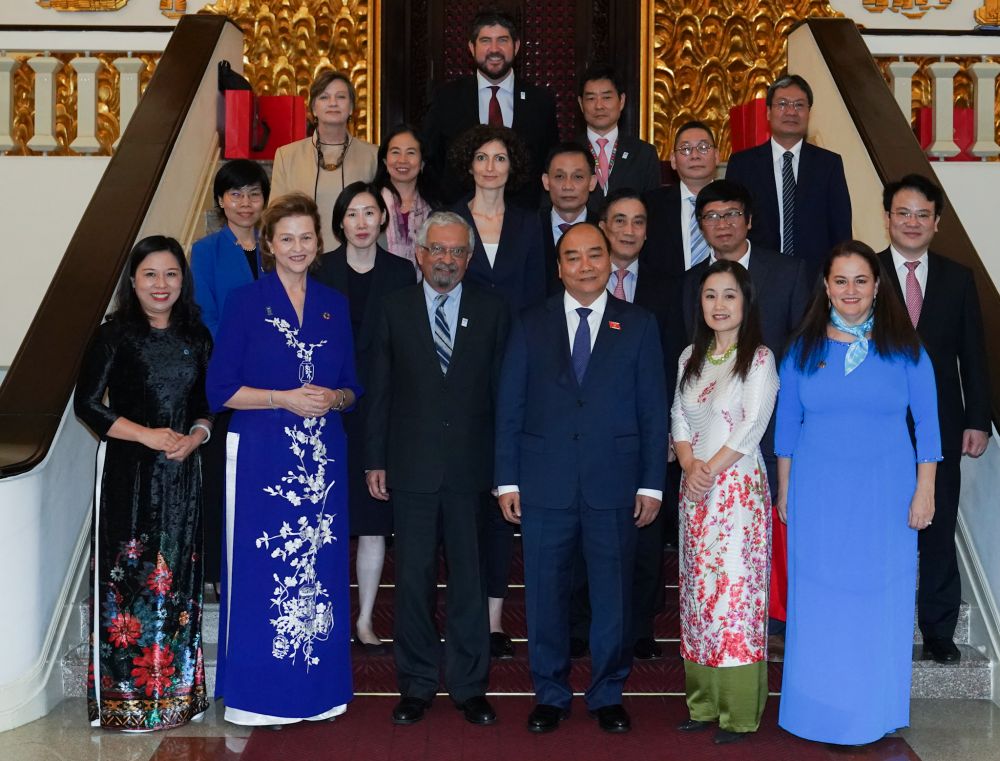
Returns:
point(698, 480)
point(308, 400)
point(177, 446)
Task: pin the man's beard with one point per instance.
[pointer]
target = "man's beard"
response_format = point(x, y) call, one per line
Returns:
point(507, 66)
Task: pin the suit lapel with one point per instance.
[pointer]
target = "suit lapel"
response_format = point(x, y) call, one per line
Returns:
point(374, 300)
point(932, 289)
point(890, 272)
point(422, 325)
point(765, 166)
point(559, 336)
point(466, 322)
point(607, 338)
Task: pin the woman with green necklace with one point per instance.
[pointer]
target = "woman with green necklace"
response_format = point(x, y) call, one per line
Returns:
point(725, 395)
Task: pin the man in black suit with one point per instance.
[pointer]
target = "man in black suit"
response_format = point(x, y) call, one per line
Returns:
point(569, 180)
point(622, 161)
point(431, 395)
point(490, 96)
point(940, 297)
point(674, 239)
point(799, 190)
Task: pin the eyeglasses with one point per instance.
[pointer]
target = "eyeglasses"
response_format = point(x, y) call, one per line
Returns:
point(729, 217)
point(791, 105)
point(438, 251)
point(253, 192)
point(703, 148)
point(905, 215)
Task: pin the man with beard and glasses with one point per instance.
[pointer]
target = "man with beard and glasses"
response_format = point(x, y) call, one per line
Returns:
point(493, 95)
point(431, 397)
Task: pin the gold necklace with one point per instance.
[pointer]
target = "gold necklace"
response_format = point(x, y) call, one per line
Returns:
point(719, 360)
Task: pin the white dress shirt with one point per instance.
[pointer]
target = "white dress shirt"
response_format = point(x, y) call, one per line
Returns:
point(557, 220)
point(687, 213)
point(631, 279)
point(744, 260)
point(899, 264)
point(505, 95)
point(777, 162)
point(612, 138)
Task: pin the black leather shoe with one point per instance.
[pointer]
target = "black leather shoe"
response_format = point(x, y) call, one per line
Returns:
point(546, 718)
point(409, 710)
point(647, 649)
point(577, 648)
point(693, 725)
point(477, 710)
point(725, 737)
point(612, 718)
point(942, 650)
point(501, 646)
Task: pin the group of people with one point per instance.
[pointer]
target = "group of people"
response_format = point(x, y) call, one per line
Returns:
point(463, 360)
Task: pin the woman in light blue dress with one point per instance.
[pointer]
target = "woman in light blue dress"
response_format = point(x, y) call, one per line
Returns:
point(854, 494)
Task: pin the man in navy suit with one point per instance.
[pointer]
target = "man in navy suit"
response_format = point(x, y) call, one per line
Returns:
point(940, 297)
point(491, 96)
point(580, 457)
point(799, 190)
point(569, 180)
point(622, 161)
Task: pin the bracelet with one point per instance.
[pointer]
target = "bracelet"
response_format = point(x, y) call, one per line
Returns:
point(205, 428)
point(270, 398)
point(343, 398)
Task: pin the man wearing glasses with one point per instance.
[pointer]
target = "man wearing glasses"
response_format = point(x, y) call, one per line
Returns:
point(799, 190)
point(431, 396)
point(940, 297)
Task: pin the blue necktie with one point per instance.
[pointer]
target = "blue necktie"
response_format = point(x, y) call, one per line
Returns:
point(442, 335)
point(787, 205)
point(581, 344)
point(699, 246)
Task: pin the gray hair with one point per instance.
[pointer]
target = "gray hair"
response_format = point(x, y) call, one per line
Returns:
point(445, 218)
point(789, 80)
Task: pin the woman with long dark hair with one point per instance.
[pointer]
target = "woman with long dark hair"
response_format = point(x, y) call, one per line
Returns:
point(854, 494)
point(150, 357)
point(725, 396)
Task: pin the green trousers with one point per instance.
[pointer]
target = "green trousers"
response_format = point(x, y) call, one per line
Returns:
point(734, 696)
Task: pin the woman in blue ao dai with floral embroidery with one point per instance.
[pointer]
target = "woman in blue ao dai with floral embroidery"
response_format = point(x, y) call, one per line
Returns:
point(284, 360)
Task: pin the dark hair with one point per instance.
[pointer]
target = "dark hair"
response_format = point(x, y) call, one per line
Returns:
point(616, 195)
point(492, 17)
point(425, 185)
point(748, 339)
point(927, 188)
point(569, 147)
point(185, 316)
point(348, 194)
point(598, 71)
point(724, 190)
point(463, 151)
point(282, 207)
point(788, 80)
point(237, 174)
point(892, 334)
point(694, 124)
point(322, 81)
point(559, 245)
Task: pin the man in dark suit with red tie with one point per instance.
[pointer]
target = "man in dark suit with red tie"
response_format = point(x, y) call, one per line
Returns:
point(940, 297)
point(491, 96)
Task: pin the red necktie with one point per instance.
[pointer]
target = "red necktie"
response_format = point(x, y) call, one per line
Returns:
point(914, 298)
point(619, 292)
point(496, 116)
point(603, 166)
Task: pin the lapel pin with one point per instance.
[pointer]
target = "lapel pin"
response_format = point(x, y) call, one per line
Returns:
point(522, 95)
point(625, 155)
point(326, 315)
point(465, 322)
point(614, 325)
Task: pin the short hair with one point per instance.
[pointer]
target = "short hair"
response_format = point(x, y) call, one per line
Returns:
point(438, 218)
point(923, 185)
point(598, 71)
point(559, 245)
point(237, 174)
point(282, 207)
point(322, 81)
point(693, 124)
point(620, 194)
point(788, 80)
point(348, 194)
point(492, 17)
point(724, 190)
point(463, 150)
point(570, 147)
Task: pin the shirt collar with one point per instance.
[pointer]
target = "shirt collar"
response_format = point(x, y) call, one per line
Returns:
point(744, 260)
point(506, 84)
point(633, 267)
point(898, 260)
point(557, 220)
point(570, 304)
point(778, 152)
point(686, 192)
point(430, 294)
point(611, 137)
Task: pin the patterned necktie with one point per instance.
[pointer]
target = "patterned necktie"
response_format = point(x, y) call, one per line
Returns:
point(442, 335)
point(914, 298)
point(581, 344)
point(699, 246)
point(619, 292)
point(603, 168)
point(564, 226)
point(496, 115)
point(788, 205)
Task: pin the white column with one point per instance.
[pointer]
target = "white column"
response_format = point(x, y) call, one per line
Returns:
point(902, 85)
point(984, 74)
point(128, 91)
point(86, 104)
point(44, 139)
point(943, 144)
point(7, 66)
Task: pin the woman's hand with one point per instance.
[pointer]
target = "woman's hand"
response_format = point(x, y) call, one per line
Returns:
point(186, 445)
point(921, 508)
point(159, 439)
point(308, 401)
point(781, 505)
point(698, 479)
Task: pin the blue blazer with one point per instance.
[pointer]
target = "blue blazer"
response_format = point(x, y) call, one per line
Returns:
point(604, 438)
point(218, 265)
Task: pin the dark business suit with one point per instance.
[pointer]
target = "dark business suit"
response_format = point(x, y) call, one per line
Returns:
point(578, 452)
point(951, 328)
point(664, 248)
point(390, 273)
point(455, 108)
point(822, 203)
point(553, 284)
point(433, 435)
point(636, 166)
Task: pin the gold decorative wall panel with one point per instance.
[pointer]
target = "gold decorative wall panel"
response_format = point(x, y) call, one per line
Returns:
point(83, 5)
point(287, 43)
point(909, 8)
point(707, 56)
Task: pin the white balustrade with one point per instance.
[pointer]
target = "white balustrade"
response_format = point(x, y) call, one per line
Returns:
point(7, 67)
point(902, 84)
point(86, 104)
point(128, 91)
point(943, 144)
point(984, 74)
point(45, 67)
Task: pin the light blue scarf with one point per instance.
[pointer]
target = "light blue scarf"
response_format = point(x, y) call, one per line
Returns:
point(858, 349)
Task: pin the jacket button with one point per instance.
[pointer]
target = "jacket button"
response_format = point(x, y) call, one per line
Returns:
point(576, 436)
point(445, 423)
point(579, 402)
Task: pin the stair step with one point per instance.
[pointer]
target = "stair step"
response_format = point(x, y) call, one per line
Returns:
point(971, 677)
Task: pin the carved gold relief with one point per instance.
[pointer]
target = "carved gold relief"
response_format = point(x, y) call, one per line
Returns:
point(287, 43)
point(83, 5)
point(909, 8)
point(989, 14)
point(708, 56)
